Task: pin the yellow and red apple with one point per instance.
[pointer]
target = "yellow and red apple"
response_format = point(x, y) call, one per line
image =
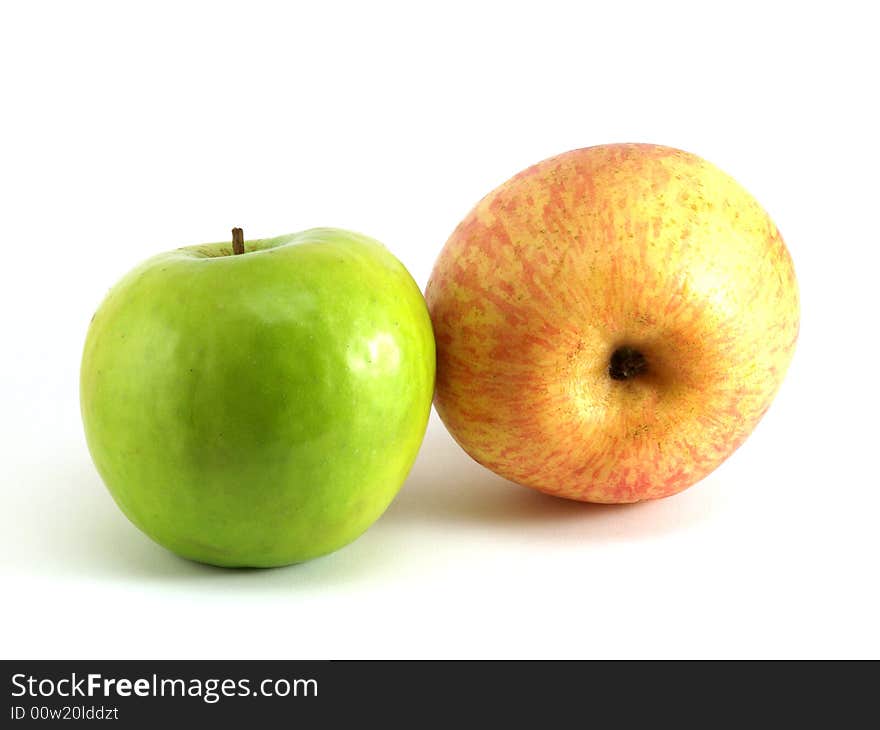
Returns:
point(611, 323)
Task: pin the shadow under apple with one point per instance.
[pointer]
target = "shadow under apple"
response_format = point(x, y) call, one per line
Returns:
point(447, 486)
point(86, 534)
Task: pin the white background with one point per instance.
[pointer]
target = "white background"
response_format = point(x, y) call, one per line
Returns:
point(126, 132)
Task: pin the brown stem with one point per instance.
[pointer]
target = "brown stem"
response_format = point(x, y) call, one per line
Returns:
point(626, 362)
point(237, 241)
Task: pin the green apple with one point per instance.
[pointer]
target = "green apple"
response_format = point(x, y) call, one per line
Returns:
point(260, 403)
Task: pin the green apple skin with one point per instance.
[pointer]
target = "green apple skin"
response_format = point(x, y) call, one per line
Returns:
point(264, 408)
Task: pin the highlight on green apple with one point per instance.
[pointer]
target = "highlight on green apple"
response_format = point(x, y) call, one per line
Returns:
point(259, 403)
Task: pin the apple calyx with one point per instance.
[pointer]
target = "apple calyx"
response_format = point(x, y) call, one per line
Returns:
point(237, 241)
point(626, 363)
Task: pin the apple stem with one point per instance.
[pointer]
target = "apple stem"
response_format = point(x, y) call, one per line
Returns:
point(237, 241)
point(626, 362)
